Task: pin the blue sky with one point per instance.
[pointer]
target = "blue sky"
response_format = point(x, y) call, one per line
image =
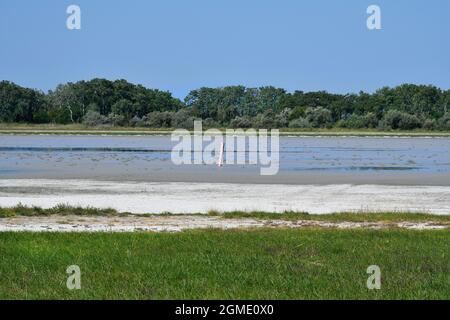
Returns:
point(179, 45)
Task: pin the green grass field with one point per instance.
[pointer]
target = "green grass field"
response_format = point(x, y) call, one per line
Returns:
point(213, 264)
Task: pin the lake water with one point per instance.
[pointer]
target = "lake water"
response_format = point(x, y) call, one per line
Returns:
point(69, 155)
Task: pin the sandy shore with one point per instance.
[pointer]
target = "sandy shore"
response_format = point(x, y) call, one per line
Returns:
point(147, 197)
point(180, 223)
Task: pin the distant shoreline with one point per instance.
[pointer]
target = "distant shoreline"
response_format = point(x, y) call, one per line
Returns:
point(81, 130)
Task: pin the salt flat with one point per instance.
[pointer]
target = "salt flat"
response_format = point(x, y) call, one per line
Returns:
point(151, 197)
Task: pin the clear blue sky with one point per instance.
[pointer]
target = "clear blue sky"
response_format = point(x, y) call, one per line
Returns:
point(179, 45)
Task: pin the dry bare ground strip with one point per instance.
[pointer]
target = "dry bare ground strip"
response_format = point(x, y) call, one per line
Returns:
point(167, 223)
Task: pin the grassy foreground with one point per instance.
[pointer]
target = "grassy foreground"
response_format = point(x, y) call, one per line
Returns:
point(212, 264)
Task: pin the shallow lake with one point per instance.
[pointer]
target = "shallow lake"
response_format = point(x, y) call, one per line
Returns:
point(149, 157)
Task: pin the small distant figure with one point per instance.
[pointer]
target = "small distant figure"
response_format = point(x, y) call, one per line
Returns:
point(220, 159)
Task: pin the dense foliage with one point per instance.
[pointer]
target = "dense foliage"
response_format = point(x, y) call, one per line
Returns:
point(120, 103)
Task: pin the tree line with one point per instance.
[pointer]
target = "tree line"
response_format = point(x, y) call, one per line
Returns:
point(101, 102)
